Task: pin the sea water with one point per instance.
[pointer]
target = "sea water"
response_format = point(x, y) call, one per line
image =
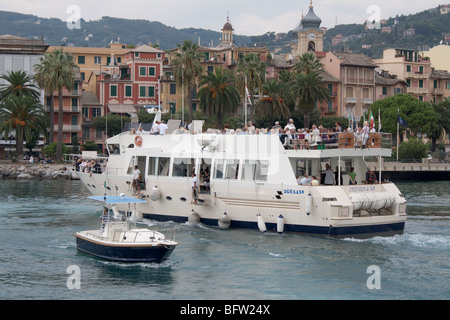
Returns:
point(39, 259)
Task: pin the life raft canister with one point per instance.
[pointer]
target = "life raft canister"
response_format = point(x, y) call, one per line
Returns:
point(138, 141)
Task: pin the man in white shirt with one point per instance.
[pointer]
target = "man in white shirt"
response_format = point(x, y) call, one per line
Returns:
point(155, 128)
point(137, 179)
point(290, 125)
point(141, 131)
point(194, 186)
point(162, 128)
point(305, 181)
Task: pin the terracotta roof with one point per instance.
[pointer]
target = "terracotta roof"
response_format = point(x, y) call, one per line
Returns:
point(353, 59)
point(89, 50)
point(388, 81)
point(89, 99)
point(146, 48)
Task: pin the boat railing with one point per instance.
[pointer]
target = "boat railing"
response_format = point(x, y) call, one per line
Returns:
point(344, 140)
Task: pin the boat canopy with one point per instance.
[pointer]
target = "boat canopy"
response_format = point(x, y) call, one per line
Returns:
point(116, 199)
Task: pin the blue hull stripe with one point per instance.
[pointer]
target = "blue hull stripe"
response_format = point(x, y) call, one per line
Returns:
point(125, 254)
point(339, 232)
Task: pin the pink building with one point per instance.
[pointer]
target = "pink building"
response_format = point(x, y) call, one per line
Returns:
point(123, 88)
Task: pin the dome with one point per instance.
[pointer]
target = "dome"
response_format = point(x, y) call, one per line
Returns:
point(227, 26)
point(311, 21)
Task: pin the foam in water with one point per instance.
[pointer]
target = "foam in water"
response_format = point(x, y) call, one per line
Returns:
point(412, 239)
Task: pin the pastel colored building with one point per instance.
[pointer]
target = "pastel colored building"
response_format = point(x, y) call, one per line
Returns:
point(410, 66)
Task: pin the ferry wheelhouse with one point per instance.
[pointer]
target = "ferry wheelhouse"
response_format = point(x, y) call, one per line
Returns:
point(253, 182)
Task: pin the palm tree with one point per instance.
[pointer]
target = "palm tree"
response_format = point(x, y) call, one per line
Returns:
point(60, 68)
point(187, 68)
point(18, 83)
point(307, 89)
point(443, 110)
point(272, 104)
point(251, 70)
point(218, 94)
point(25, 115)
point(307, 63)
point(45, 82)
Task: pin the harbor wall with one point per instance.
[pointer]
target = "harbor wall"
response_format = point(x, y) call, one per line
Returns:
point(11, 171)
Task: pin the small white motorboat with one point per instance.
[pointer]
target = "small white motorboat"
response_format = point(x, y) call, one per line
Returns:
point(119, 240)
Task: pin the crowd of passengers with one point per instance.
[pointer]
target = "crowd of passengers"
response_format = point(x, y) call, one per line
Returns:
point(290, 136)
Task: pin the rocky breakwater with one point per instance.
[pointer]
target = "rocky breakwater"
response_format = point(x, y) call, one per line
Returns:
point(37, 171)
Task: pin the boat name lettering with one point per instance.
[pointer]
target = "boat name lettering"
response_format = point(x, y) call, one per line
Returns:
point(362, 189)
point(293, 191)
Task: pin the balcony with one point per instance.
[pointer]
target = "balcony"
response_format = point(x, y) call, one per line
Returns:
point(367, 101)
point(351, 100)
point(68, 128)
point(438, 91)
point(417, 90)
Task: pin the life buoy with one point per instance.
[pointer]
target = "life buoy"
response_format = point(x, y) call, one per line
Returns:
point(138, 141)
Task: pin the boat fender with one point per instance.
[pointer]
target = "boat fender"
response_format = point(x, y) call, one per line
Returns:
point(155, 194)
point(309, 204)
point(137, 215)
point(116, 213)
point(280, 224)
point(224, 221)
point(261, 224)
point(138, 141)
point(193, 218)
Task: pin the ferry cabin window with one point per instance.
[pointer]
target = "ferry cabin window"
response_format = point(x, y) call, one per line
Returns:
point(113, 149)
point(183, 167)
point(255, 170)
point(158, 167)
point(232, 169)
point(218, 171)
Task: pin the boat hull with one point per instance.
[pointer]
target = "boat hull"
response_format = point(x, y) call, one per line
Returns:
point(124, 253)
point(349, 231)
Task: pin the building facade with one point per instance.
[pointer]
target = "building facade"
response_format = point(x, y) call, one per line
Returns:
point(19, 54)
point(356, 73)
point(410, 66)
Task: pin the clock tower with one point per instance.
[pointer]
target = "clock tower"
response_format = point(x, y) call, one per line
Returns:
point(310, 37)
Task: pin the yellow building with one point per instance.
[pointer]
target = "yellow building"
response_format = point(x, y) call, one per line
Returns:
point(92, 61)
point(439, 57)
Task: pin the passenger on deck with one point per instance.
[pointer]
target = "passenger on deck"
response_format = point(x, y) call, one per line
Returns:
point(141, 131)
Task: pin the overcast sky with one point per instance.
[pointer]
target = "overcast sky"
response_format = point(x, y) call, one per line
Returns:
point(249, 17)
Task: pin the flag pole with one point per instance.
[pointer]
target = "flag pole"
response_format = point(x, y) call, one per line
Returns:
point(245, 103)
point(398, 130)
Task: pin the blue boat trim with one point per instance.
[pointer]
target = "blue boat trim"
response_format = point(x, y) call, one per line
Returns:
point(365, 231)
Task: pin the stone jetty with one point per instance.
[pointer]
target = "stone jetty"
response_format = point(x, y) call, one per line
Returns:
point(37, 171)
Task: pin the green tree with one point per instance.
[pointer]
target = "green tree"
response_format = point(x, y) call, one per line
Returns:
point(272, 103)
point(218, 94)
point(307, 63)
point(413, 149)
point(18, 83)
point(252, 70)
point(24, 115)
point(187, 69)
point(114, 122)
point(306, 89)
point(442, 109)
point(419, 115)
point(46, 81)
point(61, 74)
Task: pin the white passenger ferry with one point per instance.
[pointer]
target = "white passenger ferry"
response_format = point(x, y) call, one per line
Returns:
point(254, 183)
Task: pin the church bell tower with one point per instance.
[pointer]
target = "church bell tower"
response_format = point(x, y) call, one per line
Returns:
point(310, 36)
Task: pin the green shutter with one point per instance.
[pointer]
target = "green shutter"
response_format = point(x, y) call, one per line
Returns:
point(151, 92)
point(128, 91)
point(141, 91)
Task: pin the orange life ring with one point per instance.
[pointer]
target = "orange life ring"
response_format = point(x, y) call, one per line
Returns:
point(138, 141)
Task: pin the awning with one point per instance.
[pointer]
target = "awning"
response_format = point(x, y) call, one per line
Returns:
point(121, 108)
